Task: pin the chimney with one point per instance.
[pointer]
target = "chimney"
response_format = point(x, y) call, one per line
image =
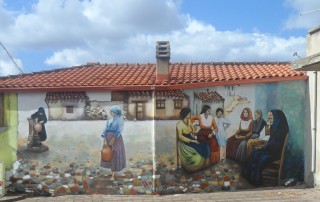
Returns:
point(163, 57)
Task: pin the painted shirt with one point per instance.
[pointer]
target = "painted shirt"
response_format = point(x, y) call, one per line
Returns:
point(183, 129)
point(206, 122)
point(222, 124)
point(115, 125)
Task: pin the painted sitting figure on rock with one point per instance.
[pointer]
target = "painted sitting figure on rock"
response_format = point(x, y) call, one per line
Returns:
point(40, 118)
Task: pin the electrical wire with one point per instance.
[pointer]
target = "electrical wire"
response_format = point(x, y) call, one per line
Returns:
point(16, 65)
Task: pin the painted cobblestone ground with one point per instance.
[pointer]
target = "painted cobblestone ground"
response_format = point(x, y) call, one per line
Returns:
point(71, 166)
point(77, 179)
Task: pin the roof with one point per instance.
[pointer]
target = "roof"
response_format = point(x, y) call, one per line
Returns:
point(178, 94)
point(96, 76)
point(209, 96)
point(66, 96)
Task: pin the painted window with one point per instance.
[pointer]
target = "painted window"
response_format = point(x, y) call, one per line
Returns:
point(140, 110)
point(117, 96)
point(69, 109)
point(1, 109)
point(177, 104)
point(161, 104)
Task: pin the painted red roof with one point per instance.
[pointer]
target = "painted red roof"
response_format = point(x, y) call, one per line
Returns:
point(160, 93)
point(97, 76)
point(66, 96)
point(209, 96)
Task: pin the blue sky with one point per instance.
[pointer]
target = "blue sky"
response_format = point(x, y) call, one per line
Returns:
point(49, 34)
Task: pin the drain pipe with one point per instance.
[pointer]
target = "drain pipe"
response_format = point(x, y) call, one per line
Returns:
point(315, 120)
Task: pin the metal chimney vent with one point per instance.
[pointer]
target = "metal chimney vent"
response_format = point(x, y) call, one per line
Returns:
point(163, 49)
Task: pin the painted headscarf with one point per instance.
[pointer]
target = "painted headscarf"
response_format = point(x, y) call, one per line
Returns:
point(249, 114)
point(116, 109)
point(278, 133)
point(41, 110)
point(279, 120)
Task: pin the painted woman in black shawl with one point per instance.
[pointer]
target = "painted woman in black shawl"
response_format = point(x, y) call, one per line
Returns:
point(40, 117)
point(261, 157)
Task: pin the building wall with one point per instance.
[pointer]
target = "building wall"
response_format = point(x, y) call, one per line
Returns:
point(313, 164)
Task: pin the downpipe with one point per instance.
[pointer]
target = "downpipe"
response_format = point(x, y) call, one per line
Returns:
point(315, 120)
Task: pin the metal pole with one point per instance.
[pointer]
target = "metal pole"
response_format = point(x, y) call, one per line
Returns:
point(315, 119)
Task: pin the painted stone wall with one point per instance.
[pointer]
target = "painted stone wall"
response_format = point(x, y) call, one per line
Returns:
point(166, 156)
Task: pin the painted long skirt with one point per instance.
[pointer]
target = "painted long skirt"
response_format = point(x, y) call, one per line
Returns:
point(256, 163)
point(118, 161)
point(193, 156)
point(212, 143)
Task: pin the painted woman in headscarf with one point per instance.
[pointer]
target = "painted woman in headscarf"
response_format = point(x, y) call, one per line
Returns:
point(243, 133)
point(193, 155)
point(258, 124)
point(207, 132)
point(260, 158)
point(41, 118)
point(255, 140)
point(113, 135)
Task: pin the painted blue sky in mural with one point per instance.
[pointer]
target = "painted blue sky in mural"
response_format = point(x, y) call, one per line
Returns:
point(47, 34)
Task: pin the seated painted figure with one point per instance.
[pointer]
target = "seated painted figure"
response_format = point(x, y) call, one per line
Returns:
point(192, 154)
point(258, 125)
point(260, 158)
point(242, 134)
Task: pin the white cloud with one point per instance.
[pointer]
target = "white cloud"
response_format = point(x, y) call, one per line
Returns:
point(124, 31)
point(308, 19)
point(69, 57)
point(197, 42)
point(7, 67)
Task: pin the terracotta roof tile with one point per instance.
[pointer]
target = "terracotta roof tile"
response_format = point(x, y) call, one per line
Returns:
point(209, 96)
point(65, 96)
point(160, 93)
point(122, 75)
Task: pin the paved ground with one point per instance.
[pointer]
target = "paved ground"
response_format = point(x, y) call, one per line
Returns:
point(261, 194)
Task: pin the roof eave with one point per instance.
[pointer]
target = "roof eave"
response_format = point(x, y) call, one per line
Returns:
point(153, 87)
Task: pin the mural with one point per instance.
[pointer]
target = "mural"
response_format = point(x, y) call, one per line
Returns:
point(255, 140)
point(161, 142)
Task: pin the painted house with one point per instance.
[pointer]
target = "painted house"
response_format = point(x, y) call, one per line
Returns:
point(212, 99)
point(168, 104)
point(66, 105)
point(152, 99)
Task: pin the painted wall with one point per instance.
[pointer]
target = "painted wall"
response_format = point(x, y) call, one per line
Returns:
point(8, 135)
point(289, 97)
point(72, 163)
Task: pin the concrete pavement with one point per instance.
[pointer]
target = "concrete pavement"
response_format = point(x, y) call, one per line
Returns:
point(260, 194)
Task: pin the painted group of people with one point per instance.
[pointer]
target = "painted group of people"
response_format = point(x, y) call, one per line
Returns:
point(248, 132)
point(211, 144)
point(208, 146)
